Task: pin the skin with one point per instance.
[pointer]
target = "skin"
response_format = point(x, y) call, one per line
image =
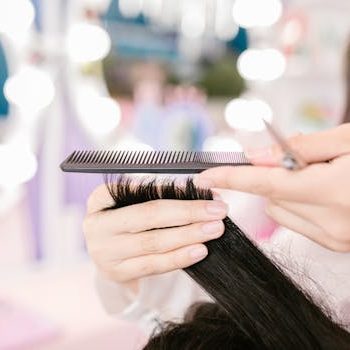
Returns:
point(314, 201)
point(123, 248)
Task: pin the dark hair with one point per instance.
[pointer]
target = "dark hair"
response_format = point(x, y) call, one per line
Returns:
point(256, 305)
point(346, 118)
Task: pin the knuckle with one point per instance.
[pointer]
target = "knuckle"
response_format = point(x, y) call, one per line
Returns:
point(270, 210)
point(177, 261)
point(150, 213)
point(295, 141)
point(151, 209)
point(267, 188)
point(261, 189)
point(188, 211)
point(149, 242)
point(191, 211)
point(149, 268)
point(117, 274)
point(99, 199)
point(90, 203)
point(92, 199)
point(96, 252)
point(273, 180)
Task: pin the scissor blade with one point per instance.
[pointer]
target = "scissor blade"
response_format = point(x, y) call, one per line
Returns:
point(289, 153)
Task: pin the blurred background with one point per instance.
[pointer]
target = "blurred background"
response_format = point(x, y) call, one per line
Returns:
point(135, 75)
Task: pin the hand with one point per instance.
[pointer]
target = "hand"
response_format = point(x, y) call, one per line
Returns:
point(314, 201)
point(149, 238)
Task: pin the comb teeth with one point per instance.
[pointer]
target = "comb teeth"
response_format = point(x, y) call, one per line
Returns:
point(152, 157)
point(219, 157)
point(103, 161)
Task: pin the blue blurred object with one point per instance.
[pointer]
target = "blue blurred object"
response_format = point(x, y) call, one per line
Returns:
point(4, 105)
point(240, 43)
point(38, 15)
point(142, 41)
point(139, 38)
point(180, 125)
point(113, 15)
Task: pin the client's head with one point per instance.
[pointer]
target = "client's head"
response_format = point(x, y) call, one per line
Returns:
point(256, 306)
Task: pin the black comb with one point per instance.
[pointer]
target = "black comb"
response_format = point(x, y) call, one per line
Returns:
point(168, 162)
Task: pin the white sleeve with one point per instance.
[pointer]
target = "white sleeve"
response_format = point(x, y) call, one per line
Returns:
point(162, 297)
point(323, 273)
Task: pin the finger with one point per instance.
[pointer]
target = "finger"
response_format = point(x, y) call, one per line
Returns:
point(317, 147)
point(155, 214)
point(164, 240)
point(158, 263)
point(308, 212)
point(331, 221)
point(99, 199)
point(295, 223)
point(277, 183)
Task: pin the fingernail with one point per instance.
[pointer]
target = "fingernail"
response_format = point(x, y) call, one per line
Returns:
point(202, 182)
point(198, 253)
point(217, 208)
point(216, 196)
point(257, 153)
point(213, 228)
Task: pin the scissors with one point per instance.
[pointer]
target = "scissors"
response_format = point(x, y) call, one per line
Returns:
point(291, 159)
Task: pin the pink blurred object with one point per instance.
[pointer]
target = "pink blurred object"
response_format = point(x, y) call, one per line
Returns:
point(66, 296)
point(248, 212)
point(20, 328)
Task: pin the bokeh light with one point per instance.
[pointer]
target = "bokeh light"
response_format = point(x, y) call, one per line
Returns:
point(99, 115)
point(31, 89)
point(244, 114)
point(220, 143)
point(16, 17)
point(18, 165)
point(263, 64)
point(257, 13)
point(130, 143)
point(225, 27)
point(193, 20)
point(87, 43)
point(152, 8)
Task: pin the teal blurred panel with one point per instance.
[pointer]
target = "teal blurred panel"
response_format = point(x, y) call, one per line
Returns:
point(4, 106)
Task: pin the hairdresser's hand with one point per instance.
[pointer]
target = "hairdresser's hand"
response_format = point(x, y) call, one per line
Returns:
point(150, 238)
point(314, 201)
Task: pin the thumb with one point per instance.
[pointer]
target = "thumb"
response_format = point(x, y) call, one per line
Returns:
point(317, 147)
